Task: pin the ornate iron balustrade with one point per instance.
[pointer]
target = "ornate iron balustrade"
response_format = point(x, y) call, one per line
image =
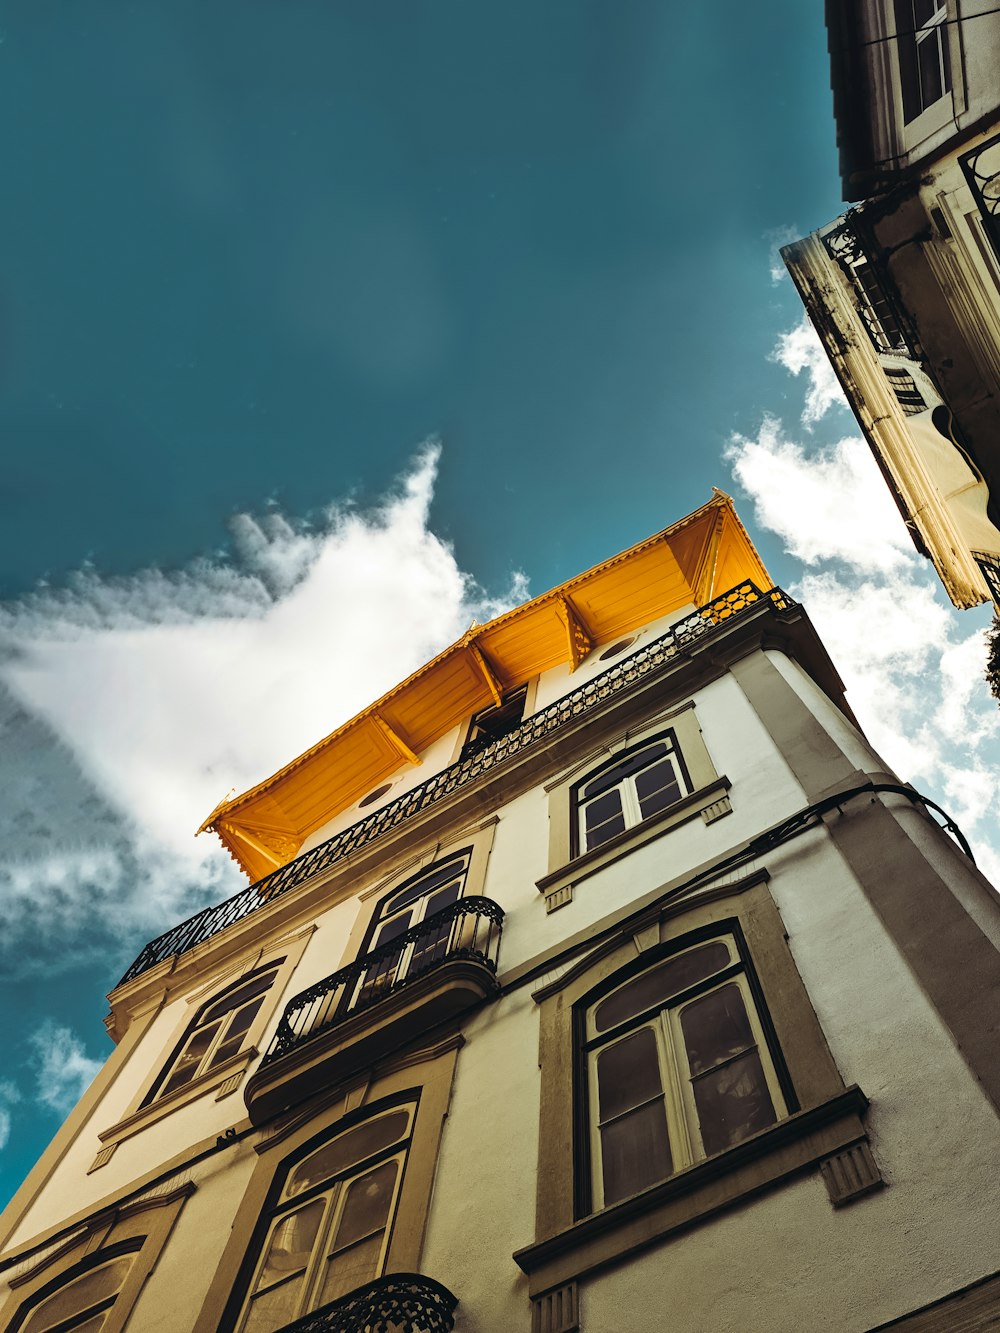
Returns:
point(398, 1303)
point(469, 928)
point(621, 677)
point(982, 171)
point(885, 323)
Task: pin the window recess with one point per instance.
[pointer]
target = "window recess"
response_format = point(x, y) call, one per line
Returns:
point(629, 791)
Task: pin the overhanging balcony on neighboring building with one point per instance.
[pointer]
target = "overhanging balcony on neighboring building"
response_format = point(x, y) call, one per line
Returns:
point(695, 630)
point(434, 971)
point(402, 1302)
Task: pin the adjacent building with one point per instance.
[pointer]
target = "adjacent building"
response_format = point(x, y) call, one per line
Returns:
point(598, 976)
point(904, 290)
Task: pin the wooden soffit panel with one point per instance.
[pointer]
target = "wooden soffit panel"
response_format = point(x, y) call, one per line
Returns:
point(690, 562)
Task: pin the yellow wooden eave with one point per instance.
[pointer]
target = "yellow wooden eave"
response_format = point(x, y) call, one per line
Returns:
point(688, 563)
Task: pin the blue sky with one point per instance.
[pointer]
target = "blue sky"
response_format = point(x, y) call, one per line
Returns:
point(254, 258)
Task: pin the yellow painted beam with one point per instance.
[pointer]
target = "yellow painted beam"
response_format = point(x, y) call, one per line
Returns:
point(579, 640)
point(395, 740)
point(487, 673)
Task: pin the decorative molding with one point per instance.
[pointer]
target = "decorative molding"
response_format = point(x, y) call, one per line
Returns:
point(723, 806)
point(559, 897)
point(851, 1173)
point(557, 1311)
point(230, 1085)
point(103, 1157)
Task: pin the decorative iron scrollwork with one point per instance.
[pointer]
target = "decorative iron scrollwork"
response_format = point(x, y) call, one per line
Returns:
point(982, 171)
point(467, 929)
point(397, 1303)
point(534, 730)
point(884, 322)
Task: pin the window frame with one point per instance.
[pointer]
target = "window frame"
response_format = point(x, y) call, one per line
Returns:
point(630, 802)
point(278, 1208)
point(424, 1077)
point(144, 1110)
point(207, 1064)
point(588, 1187)
point(910, 37)
point(571, 1241)
point(707, 799)
point(142, 1227)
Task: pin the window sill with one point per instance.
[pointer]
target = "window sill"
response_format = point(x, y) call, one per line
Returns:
point(149, 1115)
point(711, 802)
point(793, 1145)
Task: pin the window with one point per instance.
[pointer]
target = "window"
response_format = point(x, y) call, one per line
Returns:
point(217, 1032)
point(677, 1069)
point(670, 1088)
point(633, 788)
point(924, 59)
point(904, 386)
point(493, 723)
point(80, 1303)
point(417, 900)
point(328, 1231)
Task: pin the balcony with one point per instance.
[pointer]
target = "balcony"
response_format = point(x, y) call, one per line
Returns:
point(400, 1302)
point(438, 969)
point(705, 623)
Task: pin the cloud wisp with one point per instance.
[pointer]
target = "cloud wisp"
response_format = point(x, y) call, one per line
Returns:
point(798, 350)
point(62, 1069)
point(163, 691)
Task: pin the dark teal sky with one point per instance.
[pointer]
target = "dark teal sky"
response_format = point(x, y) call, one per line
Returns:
point(255, 252)
point(258, 251)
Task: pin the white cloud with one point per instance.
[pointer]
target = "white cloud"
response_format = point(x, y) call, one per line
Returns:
point(63, 1071)
point(168, 690)
point(831, 504)
point(800, 349)
point(911, 667)
point(9, 1096)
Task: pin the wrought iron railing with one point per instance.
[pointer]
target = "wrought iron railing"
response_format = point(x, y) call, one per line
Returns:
point(884, 321)
point(982, 171)
point(534, 730)
point(398, 1303)
point(469, 928)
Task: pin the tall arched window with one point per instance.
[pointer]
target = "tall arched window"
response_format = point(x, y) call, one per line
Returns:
point(81, 1300)
point(678, 1067)
point(328, 1230)
point(634, 787)
point(217, 1032)
point(416, 901)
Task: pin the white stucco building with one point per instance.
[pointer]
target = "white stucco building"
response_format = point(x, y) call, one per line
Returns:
point(597, 977)
point(904, 290)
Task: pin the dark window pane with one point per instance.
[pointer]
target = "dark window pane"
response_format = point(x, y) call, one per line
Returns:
point(236, 1032)
point(635, 1152)
point(929, 63)
point(628, 1073)
point(239, 995)
point(99, 1284)
point(367, 1205)
point(290, 1247)
point(633, 763)
point(659, 983)
point(733, 1102)
point(449, 870)
point(346, 1150)
point(715, 1028)
point(603, 818)
point(189, 1060)
point(657, 787)
point(922, 11)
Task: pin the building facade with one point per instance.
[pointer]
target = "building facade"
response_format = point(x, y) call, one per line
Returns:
point(599, 976)
point(904, 290)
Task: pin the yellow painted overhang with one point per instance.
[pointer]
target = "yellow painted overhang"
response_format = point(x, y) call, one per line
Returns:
point(692, 561)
